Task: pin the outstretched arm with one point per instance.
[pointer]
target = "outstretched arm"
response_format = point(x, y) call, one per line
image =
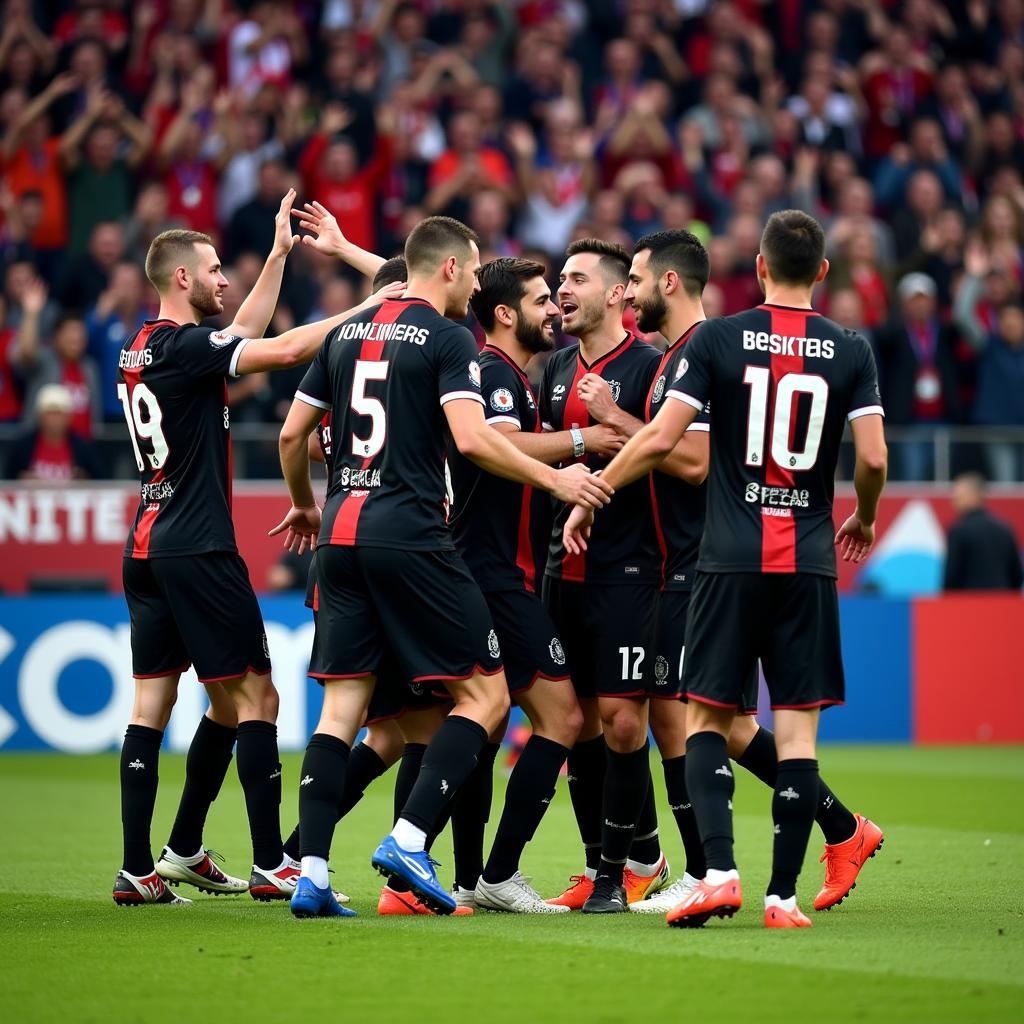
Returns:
point(328, 238)
point(857, 534)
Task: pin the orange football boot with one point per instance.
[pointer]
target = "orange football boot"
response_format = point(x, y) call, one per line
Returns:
point(639, 887)
point(576, 895)
point(843, 862)
point(405, 904)
point(780, 917)
point(705, 902)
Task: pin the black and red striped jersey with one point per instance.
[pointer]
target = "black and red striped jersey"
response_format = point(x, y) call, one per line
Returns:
point(171, 382)
point(781, 383)
point(385, 375)
point(500, 527)
point(678, 506)
point(623, 547)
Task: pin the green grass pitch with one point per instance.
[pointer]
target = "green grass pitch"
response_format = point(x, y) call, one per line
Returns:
point(934, 931)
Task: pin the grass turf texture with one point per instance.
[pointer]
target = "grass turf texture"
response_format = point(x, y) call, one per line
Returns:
point(934, 931)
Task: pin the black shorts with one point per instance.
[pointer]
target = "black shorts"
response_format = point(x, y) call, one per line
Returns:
point(790, 621)
point(530, 645)
point(423, 607)
point(608, 633)
point(194, 610)
point(393, 696)
point(670, 648)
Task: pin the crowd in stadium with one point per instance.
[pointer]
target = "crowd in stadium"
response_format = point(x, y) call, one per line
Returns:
point(900, 125)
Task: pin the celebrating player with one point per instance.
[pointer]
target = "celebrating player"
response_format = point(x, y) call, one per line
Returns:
point(187, 589)
point(605, 602)
point(397, 380)
point(668, 275)
point(766, 582)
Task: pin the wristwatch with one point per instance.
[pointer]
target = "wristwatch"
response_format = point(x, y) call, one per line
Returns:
point(579, 447)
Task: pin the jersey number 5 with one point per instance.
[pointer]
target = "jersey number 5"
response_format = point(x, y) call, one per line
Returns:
point(366, 405)
point(787, 389)
point(148, 429)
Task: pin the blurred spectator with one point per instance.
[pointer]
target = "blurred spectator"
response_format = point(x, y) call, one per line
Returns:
point(149, 218)
point(250, 150)
point(289, 572)
point(98, 172)
point(981, 550)
point(19, 352)
point(52, 450)
point(857, 267)
point(21, 291)
point(918, 372)
point(264, 46)
point(119, 312)
point(466, 167)
point(88, 274)
point(251, 227)
point(65, 362)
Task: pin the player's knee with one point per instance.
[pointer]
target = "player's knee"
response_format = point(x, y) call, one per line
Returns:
point(385, 740)
point(624, 729)
point(744, 728)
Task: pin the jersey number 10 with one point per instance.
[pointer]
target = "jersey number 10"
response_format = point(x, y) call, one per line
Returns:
point(148, 429)
point(787, 389)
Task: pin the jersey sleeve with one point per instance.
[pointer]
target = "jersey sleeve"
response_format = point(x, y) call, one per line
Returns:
point(315, 388)
point(502, 394)
point(865, 399)
point(702, 424)
point(692, 383)
point(544, 396)
point(205, 352)
point(458, 366)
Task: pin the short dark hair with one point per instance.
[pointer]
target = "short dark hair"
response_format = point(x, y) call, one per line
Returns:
point(434, 239)
point(171, 249)
point(680, 251)
point(793, 246)
point(614, 261)
point(502, 283)
point(390, 272)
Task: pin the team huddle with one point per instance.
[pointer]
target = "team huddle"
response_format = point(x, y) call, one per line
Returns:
point(616, 554)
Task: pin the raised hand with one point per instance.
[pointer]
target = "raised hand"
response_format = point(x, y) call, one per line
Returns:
point(327, 237)
point(33, 298)
point(576, 531)
point(283, 237)
point(854, 539)
point(576, 485)
point(300, 528)
point(389, 291)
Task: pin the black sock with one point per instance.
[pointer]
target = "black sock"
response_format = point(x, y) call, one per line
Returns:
point(408, 773)
point(471, 811)
point(710, 783)
point(833, 818)
point(209, 755)
point(646, 846)
point(320, 790)
point(625, 790)
point(531, 788)
point(760, 757)
point(364, 765)
point(140, 762)
point(587, 764)
point(259, 771)
point(450, 757)
point(793, 808)
point(682, 810)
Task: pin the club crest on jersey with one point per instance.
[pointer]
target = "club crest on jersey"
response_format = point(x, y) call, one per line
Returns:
point(502, 400)
point(659, 389)
point(218, 339)
point(615, 387)
point(681, 369)
point(474, 373)
point(492, 645)
point(556, 651)
point(661, 670)
point(530, 402)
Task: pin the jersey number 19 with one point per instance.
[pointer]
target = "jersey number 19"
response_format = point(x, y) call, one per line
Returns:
point(148, 429)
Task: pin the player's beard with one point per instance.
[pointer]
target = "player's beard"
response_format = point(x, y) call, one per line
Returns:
point(589, 316)
point(650, 315)
point(204, 300)
point(533, 336)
